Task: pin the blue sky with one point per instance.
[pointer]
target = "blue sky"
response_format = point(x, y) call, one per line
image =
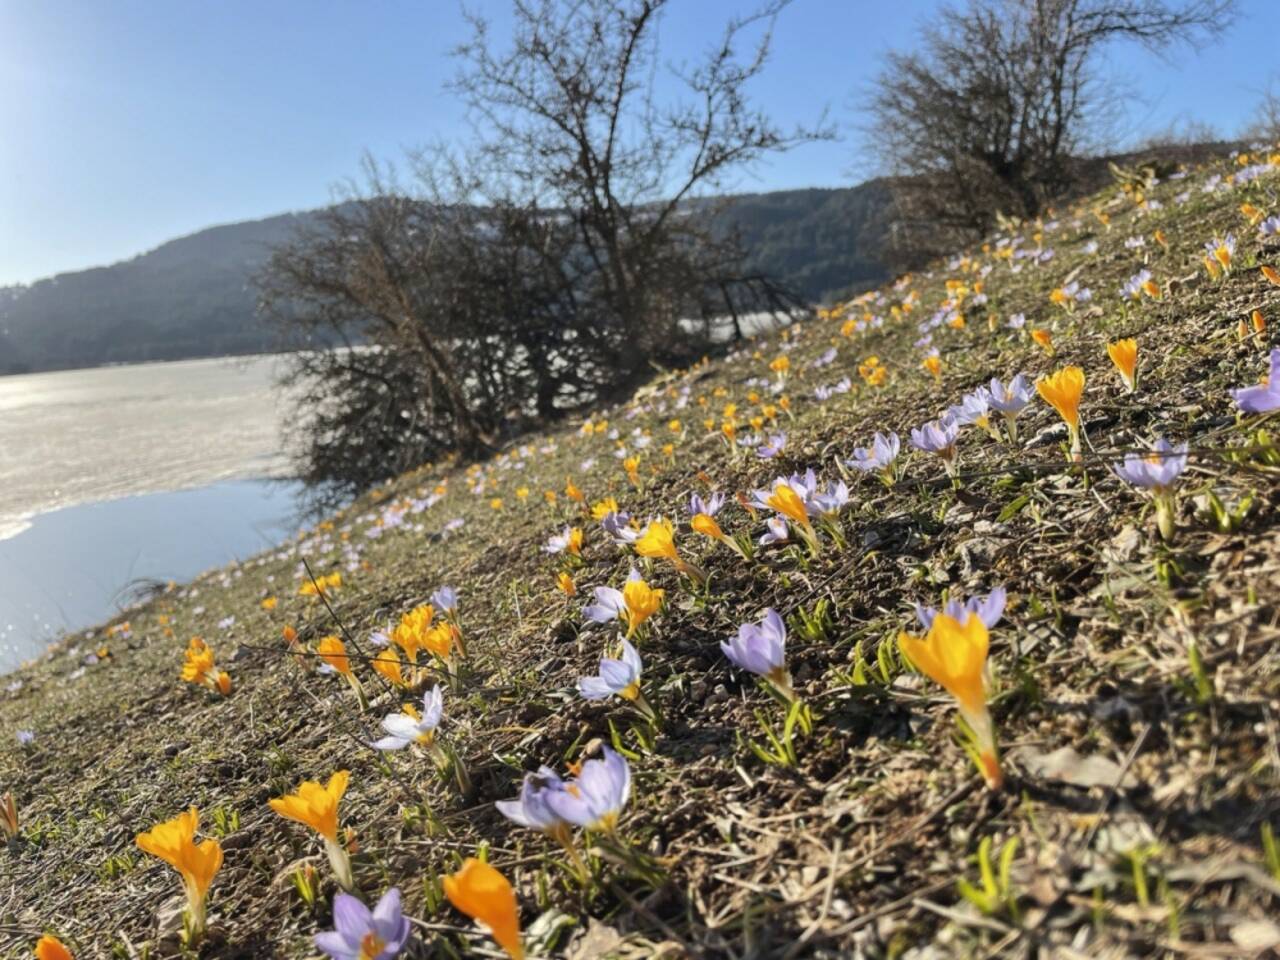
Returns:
point(124, 123)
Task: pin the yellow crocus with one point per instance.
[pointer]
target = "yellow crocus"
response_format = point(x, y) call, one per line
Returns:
point(642, 602)
point(657, 541)
point(174, 842)
point(387, 665)
point(566, 585)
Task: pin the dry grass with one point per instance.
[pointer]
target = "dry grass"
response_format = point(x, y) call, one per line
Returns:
point(1152, 847)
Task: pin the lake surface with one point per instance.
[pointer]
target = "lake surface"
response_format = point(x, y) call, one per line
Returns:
point(143, 471)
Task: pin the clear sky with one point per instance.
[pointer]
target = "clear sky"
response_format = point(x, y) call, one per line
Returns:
point(125, 123)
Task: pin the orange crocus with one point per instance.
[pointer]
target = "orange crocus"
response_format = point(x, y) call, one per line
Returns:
point(484, 894)
point(1124, 354)
point(1062, 390)
point(316, 806)
point(334, 652)
point(954, 655)
point(174, 842)
point(50, 947)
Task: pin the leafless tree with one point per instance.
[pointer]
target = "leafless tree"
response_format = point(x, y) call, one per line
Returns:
point(1002, 97)
point(568, 117)
point(545, 267)
point(1265, 125)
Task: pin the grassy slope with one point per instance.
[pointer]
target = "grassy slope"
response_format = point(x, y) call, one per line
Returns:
point(856, 849)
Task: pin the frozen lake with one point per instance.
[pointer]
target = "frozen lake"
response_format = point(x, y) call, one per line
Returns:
point(120, 473)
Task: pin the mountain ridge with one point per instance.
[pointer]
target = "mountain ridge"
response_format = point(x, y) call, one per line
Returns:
point(192, 296)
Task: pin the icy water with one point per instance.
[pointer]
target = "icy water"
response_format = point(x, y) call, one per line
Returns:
point(114, 475)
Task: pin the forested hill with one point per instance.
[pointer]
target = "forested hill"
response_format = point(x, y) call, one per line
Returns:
point(192, 297)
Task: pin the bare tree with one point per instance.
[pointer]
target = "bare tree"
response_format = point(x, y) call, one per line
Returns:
point(1001, 98)
point(1265, 125)
point(546, 267)
point(569, 118)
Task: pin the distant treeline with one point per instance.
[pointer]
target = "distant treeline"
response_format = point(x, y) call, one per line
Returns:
point(193, 297)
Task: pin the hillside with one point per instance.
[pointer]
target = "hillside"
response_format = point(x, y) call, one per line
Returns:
point(1133, 681)
point(192, 297)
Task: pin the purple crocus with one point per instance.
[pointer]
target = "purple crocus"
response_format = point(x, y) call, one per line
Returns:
point(445, 599)
point(1133, 286)
point(1266, 396)
point(1155, 471)
point(531, 808)
point(364, 934)
point(776, 532)
point(880, 455)
point(772, 447)
point(939, 436)
point(988, 609)
point(761, 648)
point(973, 410)
point(617, 677)
point(402, 729)
point(1269, 227)
point(1010, 400)
point(595, 797)
point(618, 527)
point(709, 507)
point(832, 499)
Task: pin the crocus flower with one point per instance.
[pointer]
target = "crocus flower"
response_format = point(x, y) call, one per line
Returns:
point(761, 648)
point(792, 499)
point(8, 815)
point(50, 947)
point(1062, 391)
point(954, 655)
point(570, 540)
point(364, 934)
point(618, 526)
point(775, 532)
point(484, 894)
point(317, 807)
point(882, 455)
point(566, 585)
point(974, 409)
point(617, 677)
point(198, 668)
point(334, 652)
point(1134, 286)
point(1124, 354)
point(1265, 397)
point(531, 808)
point(1222, 249)
point(939, 437)
point(635, 603)
point(988, 609)
point(772, 447)
point(387, 665)
point(658, 542)
point(595, 797)
point(174, 842)
point(1010, 400)
point(403, 729)
point(446, 600)
point(1157, 472)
